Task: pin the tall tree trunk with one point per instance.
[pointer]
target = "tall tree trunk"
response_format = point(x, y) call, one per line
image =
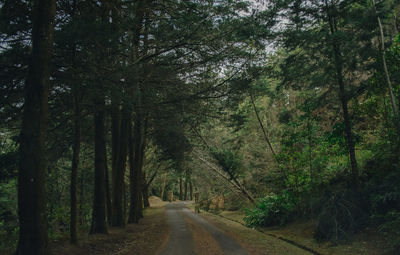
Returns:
point(74, 170)
point(395, 109)
point(135, 145)
point(115, 130)
point(136, 141)
point(131, 156)
point(81, 201)
point(108, 197)
point(33, 237)
point(75, 152)
point(119, 171)
point(309, 129)
point(145, 191)
point(180, 188)
point(99, 224)
point(186, 187)
point(164, 180)
point(385, 69)
point(142, 152)
point(343, 98)
point(191, 189)
point(125, 199)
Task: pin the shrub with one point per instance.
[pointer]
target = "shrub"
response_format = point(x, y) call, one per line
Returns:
point(390, 227)
point(274, 209)
point(341, 213)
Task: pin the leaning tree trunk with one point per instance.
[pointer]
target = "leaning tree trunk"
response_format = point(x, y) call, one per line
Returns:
point(343, 99)
point(99, 224)
point(395, 109)
point(386, 71)
point(32, 215)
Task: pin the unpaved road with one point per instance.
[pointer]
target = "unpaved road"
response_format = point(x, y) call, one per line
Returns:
point(205, 234)
point(173, 229)
point(185, 239)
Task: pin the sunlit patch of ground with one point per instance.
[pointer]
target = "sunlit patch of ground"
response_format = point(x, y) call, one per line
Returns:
point(156, 201)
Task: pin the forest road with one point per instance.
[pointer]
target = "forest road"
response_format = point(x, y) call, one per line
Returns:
point(188, 232)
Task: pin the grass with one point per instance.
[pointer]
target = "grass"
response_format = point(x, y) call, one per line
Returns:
point(254, 241)
point(368, 242)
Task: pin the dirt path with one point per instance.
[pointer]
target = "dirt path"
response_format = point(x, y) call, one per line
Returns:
point(180, 241)
point(183, 222)
point(173, 229)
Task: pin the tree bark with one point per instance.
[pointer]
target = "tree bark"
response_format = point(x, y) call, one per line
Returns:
point(310, 157)
point(146, 203)
point(115, 129)
point(164, 180)
point(343, 98)
point(191, 189)
point(146, 187)
point(145, 192)
point(136, 141)
point(385, 69)
point(119, 171)
point(75, 152)
point(99, 224)
point(186, 187)
point(180, 188)
point(142, 155)
point(32, 215)
point(135, 149)
point(395, 109)
point(108, 197)
point(125, 199)
point(74, 170)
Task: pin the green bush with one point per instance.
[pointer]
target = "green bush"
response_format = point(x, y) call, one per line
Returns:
point(274, 209)
point(8, 217)
point(341, 213)
point(385, 202)
point(390, 227)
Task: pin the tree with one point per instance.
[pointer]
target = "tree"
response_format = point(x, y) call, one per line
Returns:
point(338, 61)
point(99, 215)
point(31, 179)
point(320, 33)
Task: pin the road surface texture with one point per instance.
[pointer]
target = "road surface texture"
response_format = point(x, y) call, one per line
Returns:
point(192, 233)
point(185, 239)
